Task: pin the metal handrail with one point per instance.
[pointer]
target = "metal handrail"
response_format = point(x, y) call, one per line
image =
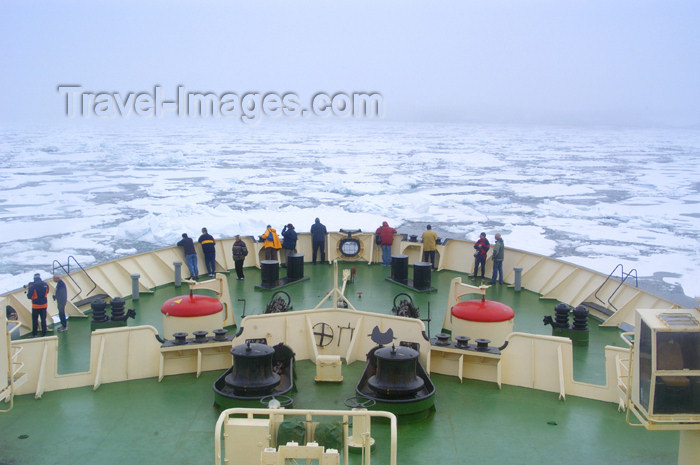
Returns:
point(344, 414)
point(67, 272)
point(623, 278)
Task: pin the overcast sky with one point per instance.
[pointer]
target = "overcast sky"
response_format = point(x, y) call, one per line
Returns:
point(524, 61)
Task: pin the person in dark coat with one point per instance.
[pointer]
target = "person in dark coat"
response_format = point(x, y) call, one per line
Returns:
point(60, 295)
point(289, 241)
point(190, 255)
point(239, 251)
point(38, 291)
point(209, 250)
point(482, 247)
point(318, 240)
point(497, 257)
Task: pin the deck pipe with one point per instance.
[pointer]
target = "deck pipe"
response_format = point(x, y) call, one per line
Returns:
point(517, 280)
point(178, 273)
point(135, 286)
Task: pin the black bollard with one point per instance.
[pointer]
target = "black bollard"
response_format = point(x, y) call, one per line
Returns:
point(270, 273)
point(421, 275)
point(295, 267)
point(399, 268)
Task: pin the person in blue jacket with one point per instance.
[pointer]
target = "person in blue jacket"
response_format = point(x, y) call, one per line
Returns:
point(209, 250)
point(289, 241)
point(37, 292)
point(190, 255)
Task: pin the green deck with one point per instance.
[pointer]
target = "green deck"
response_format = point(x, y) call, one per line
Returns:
point(173, 421)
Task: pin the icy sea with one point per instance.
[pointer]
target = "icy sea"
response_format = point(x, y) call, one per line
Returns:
point(595, 197)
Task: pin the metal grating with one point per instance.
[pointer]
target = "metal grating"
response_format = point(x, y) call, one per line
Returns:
point(678, 319)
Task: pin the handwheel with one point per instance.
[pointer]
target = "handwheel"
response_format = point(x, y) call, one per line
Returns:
point(324, 334)
point(359, 402)
point(287, 299)
point(410, 299)
point(283, 400)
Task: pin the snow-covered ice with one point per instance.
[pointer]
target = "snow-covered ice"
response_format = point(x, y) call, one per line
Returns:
point(595, 197)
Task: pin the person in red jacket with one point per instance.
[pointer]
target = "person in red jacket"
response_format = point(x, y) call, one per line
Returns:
point(385, 235)
point(482, 247)
point(38, 291)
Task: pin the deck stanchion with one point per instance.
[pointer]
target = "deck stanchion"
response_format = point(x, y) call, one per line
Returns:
point(178, 273)
point(517, 280)
point(135, 286)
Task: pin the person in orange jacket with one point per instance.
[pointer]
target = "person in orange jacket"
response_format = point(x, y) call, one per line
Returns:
point(38, 291)
point(272, 243)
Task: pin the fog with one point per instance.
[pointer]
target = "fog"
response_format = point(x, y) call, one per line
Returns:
point(520, 61)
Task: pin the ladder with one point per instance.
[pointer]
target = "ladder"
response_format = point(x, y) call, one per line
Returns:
point(15, 376)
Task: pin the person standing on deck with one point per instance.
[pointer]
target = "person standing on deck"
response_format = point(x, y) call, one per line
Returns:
point(386, 240)
point(209, 249)
point(289, 241)
point(429, 245)
point(190, 255)
point(272, 243)
point(318, 240)
point(482, 247)
point(61, 296)
point(38, 291)
point(239, 251)
point(497, 257)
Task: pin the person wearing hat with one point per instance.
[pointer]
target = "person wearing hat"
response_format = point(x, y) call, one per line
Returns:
point(209, 250)
point(289, 242)
point(272, 243)
point(37, 292)
point(482, 247)
point(239, 251)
